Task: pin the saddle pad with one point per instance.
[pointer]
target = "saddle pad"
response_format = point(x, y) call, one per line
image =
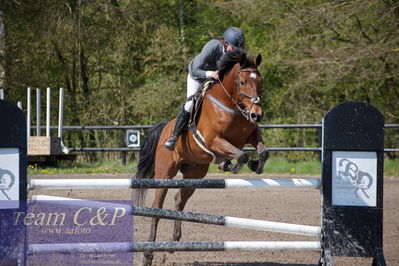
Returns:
point(199, 139)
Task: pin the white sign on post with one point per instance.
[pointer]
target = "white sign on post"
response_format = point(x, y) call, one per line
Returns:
point(354, 179)
point(9, 178)
point(132, 138)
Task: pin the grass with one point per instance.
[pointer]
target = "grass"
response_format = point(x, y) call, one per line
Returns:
point(274, 165)
point(391, 167)
point(84, 168)
point(281, 166)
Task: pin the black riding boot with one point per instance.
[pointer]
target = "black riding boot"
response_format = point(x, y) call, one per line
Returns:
point(180, 123)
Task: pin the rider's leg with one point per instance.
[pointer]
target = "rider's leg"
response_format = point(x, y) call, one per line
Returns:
point(180, 123)
point(183, 115)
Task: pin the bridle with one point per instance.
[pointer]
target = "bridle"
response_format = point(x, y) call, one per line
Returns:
point(254, 100)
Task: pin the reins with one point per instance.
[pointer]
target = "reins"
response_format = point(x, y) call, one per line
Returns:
point(254, 100)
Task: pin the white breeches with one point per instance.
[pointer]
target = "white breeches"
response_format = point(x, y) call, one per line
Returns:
point(192, 88)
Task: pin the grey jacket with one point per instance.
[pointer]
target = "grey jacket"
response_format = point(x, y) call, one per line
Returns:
point(206, 60)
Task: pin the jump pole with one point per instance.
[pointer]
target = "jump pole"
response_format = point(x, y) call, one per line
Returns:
point(189, 216)
point(170, 183)
point(175, 246)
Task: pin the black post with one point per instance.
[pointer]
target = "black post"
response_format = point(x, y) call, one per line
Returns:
point(352, 185)
point(123, 158)
point(13, 183)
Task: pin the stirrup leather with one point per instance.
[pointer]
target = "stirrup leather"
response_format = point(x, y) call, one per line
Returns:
point(170, 142)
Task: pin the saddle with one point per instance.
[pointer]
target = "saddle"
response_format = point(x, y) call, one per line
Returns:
point(198, 99)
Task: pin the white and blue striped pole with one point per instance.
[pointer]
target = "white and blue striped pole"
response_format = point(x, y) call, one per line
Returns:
point(171, 183)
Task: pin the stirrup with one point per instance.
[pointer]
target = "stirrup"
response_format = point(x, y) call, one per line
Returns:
point(170, 142)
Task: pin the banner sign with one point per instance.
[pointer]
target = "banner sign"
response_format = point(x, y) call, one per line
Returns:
point(354, 179)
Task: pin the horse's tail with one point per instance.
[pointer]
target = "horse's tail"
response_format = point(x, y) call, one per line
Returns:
point(145, 166)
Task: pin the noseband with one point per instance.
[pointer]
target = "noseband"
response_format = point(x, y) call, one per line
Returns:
point(254, 100)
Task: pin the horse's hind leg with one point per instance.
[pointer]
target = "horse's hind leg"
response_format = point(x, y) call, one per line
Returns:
point(160, 195)
point(183, 195)
point(181, 198)
point(165, 168)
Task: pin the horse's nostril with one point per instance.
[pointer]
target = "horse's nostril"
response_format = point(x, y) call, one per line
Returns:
point(255, 117)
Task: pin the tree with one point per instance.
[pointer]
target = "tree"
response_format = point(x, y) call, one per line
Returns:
point(125, 62)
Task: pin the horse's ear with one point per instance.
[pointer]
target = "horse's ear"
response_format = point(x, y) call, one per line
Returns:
point(258, 60)
point(243, 59)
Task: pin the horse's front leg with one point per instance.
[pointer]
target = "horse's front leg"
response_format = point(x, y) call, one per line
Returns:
point(228, 150)
point(256, 140)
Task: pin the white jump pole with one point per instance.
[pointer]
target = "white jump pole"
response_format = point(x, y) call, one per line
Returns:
point(175, 246)
point(228, 221)
point(61, 113)
point(38, 123)
point(48, 112)
point(79, 183)
point(133, 183)
point(28, 118)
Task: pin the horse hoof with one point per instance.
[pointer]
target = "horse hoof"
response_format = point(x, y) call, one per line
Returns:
point(236, 168)
point(176, 238)
point(225, 166)
point(146, 260)
point(253, 165)
point(264, 155)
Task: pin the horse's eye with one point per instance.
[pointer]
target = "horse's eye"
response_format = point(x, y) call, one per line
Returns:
point(242, 83)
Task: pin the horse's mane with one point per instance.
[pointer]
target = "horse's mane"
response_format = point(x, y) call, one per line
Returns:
point(229, 59)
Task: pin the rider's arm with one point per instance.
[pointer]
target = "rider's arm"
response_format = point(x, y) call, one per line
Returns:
point(199, 65)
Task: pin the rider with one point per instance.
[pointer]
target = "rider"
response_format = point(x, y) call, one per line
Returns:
point(201, 68)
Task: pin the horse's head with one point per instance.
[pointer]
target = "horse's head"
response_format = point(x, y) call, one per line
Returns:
point(248, 87)
point(242, 82)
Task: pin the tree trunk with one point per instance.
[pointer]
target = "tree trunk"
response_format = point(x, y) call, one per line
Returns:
point(181, 17)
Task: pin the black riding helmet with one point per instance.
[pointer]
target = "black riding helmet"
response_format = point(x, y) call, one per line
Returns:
point(235, 37)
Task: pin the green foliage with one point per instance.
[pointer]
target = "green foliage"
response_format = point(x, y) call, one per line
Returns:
point(125, 62)
point(391, 167)
point(275, 165)
point(98, 167)
point(279, 165)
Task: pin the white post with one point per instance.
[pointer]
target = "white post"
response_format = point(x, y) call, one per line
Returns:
point(29, 113)
point(19, 104)
point(61, 120)
point(48, 113)
point(38, 130)
point(1, 94)
point(61, 113)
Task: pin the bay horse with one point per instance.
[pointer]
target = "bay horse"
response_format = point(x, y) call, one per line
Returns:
point(227, 121)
